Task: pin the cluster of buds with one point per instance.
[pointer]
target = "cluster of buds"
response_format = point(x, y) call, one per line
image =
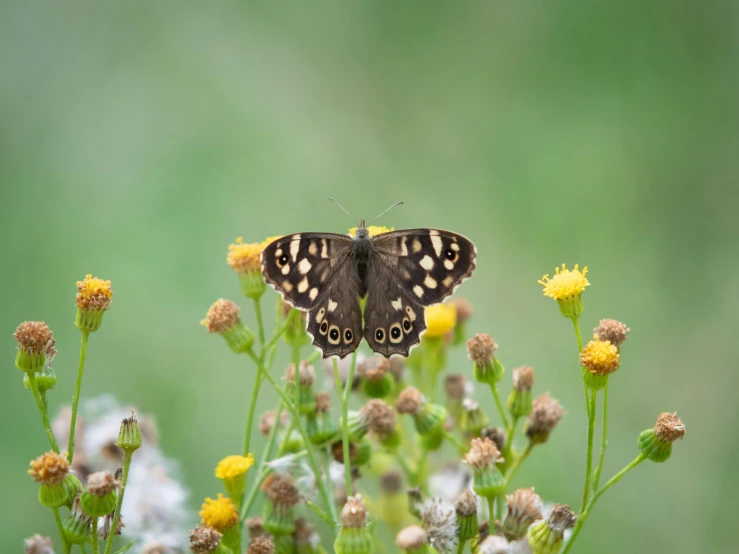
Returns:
point(428, 418)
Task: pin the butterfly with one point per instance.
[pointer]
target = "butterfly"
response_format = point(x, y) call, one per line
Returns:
point(398, 274)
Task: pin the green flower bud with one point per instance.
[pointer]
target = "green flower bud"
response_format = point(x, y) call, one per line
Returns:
point(354, 536)
point(99, 498)
point(78, 525)
point(45, 379)
point(547, 537)
point(520, 399)
point(129, 436)
point(656, 443)
point(487, 480)
point(282, 497)
point(223, 318)
point(93, 299)
point(474, 420)
point(481, 351)
point(466, 509)
point(32, 338)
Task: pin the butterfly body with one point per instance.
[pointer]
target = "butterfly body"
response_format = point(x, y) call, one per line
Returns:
point(399, 273)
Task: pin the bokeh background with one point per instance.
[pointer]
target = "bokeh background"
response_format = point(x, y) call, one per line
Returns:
point(138, 139)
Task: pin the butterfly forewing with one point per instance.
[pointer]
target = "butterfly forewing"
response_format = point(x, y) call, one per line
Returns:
point(301, 266)
point(429, 263)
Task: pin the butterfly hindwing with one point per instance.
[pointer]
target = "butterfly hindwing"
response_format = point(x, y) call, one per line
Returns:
point(429, 263)
point(335, 322)
point(301, 266)
point(394, 321)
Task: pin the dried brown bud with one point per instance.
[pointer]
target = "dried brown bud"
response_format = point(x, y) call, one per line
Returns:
point(481, 349)
point(323, 402)
point(482, 454)
point(255, 527)
point(306, 374)
point(523, 378)
point(261, 545)
point(33, 336)
point(39, 545)
point(466, 504)
point(545, 414)
point(354, 513)
point(267, 421)
point(102, 483)
point(411, 538)
point(613, 331)
point(669, 427)
point(280, 490)
point(380, 416)
point(204, 540)
point(455, 385)
point(221, 316)
point(410, 401)
point(561, 519)
point(524, 507)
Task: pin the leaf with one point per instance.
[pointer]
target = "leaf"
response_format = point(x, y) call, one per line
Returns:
point(126, 548)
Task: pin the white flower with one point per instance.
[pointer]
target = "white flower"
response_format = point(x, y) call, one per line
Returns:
point(439, 519)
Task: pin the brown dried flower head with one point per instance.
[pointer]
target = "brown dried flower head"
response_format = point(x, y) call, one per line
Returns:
point(613, 331)
point(33, 336)
point(306, 374)
point(261, 545)
point(354, 512)
point(222, 316)
point(49, 469)
point(410, 401)
point(463, 308)
point(281, 490)
point(561, 519)
point(466, 504)
point(482, 454)
point(102, 483)
point(481, 349)
point(523, 378)
point(104, 533)
point(304, 532)
point(669, 427)
point(546, 412)
point(204, 540)
point(380, 416)
point(39, 545)
point(255, 527)
point(455, 385)
point(497, 435)
point(411, 538)
point(323, 402)
point(268, 420)
point(391, 482)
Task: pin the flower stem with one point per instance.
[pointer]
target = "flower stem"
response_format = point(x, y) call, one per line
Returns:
point(589, 461)
point(43, 411)
point(454, 440)
point(252, 409)
point(518, 461)
point(76, 398)
point(95, 543)
point(501, 408)
point(603, 441)
point(308, 445)
point(584, 514)
point(65, 546)
point(127, 455)
point(260, 319)
point(344, 398)
point(460, 546)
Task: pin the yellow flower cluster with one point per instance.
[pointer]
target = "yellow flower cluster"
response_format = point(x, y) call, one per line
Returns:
point(232, 467)
point(220, 513)
point(440, 319)
point(600, 357)
point(93, 294)
point(565, 284)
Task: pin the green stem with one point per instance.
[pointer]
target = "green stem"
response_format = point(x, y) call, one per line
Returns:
point(491, 508)
point(296, 377)
point(309, 447)
point(343, 398)
point(127, 455)
point(83, 548)
point(65, 546)
point(501, 408)
point(252, 409)
point(518, 461)
point(95, 543)
point(255, 488)
point(454, 440)
point(76, 398)
point(43, 411)
point(603, 440)
point(260, 319)
point(589, 461)
point(584, 514)
point(460, 546)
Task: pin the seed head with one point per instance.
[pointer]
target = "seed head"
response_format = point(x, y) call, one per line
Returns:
point(222, 316)
point(494, 544)
point(380, 416)
point(354, 513)
point(261, 545)
point(306, 374)
point(545, 414)
point(561, 518)
point(612, 331)
point(33, 336)
point(102, 483)
point(669, 427)
point(323, 402)
point(482, 454)
point(440, 521)
point(410, 401)
point(281, 490)
point(204, 540)
point(481, 349)
point(523, 378)
point(39, 545)
point(495, 434)
point(411, 538)
point(466, 504)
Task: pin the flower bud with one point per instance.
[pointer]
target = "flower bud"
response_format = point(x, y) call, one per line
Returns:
point(223, 318)
point(354, 536)
point(545, 414)
point(32, 338)
point(306, 379)
point(378, 382)
point(456, 388)
point(93, 299)
point(487, 480)
point(547, 537)
point(206, 540)
point(566, 287)
point(57, 486)
point(612, 331)
point(261, 545)
point(519, 401)
point(466, 509)
point(428, 418)
point(656, 443)
point(295, 334)
point(320, 427)
point(46, 379)
point(524, 508)
point(78, 525)
point(99, 497)
point(474, 420)
point(129, 436)
point(481, 351)
point(282, 497)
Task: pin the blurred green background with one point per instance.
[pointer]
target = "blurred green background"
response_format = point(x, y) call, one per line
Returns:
point(138, 139)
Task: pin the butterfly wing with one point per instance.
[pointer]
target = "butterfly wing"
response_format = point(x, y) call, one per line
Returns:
point(429, 263)
point(301, 266)
point(410, 270)
point(314, 272)
point(393, 320)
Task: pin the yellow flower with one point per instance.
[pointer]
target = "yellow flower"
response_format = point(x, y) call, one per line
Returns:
point(94, 294)
point(440, 319)
point(372, 230)
point(600, 357)
point(219, 513)
point(49, 469)
point(244, 258)
point(566, 283)
point(233, 467)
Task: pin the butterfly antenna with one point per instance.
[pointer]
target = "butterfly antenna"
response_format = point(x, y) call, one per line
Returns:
point(343, 209)
point(386, 211)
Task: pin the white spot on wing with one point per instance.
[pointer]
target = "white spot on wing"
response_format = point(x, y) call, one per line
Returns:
point(324, 249)
point(449, 264)
point(313, 293)
point(294, 247)
point(397, 304)
point(331, 305)
point(430, 282)
point(304, 266)
point(285, 269)
point(403, 247)
point(418, 291)
point(303, 285)
point(427, 263)
point(436, 243)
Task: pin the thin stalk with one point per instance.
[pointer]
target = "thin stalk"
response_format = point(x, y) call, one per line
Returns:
point(43, 411)
point(460, 546)
point(603, 440)
point(491, 508)
point(95, 540)
point(612, 481)
point(309, 447)
point(589, 461)
point(518, 461)
point(255, 488)
point(260, 319)
point(454, 440)
point(127, 455)
point(296, 377)
point(252, 410)
point(344, 425)
point(65, 546)
point(76, 397)
point(501, 408)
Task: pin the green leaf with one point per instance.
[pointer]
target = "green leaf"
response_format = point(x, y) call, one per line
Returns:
point(126, 548)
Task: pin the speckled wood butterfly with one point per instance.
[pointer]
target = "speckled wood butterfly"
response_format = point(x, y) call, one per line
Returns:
point(399, 273)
